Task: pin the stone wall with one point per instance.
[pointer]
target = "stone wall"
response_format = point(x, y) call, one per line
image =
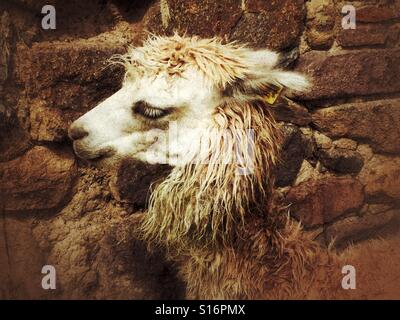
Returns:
point(340, 170)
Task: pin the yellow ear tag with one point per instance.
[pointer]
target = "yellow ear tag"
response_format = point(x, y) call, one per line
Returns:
point(273, 94)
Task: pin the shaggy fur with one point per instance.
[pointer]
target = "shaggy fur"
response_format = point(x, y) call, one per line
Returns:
point(224, 229)
point(211, 219)
point(222, 64)
point(210, 200)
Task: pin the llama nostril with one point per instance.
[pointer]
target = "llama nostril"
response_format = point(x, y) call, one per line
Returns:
point(76, 132)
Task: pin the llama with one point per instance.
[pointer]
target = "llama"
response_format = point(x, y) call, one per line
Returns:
point(224, 229)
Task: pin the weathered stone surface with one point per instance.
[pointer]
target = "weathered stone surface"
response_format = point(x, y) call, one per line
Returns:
point(319, 40)
point(292, 112)
point(307, 132)
point(40, 179)
point(306, 172)
point(19, 252)
point(47, 124)
point(365, 151)
point(24, 23)
point(31, 4)
point(341, 160)
point(272, 24)
point(69, 75)
point(393, 39)
point(338, 156)
point(133, 180)
point(381, 177)
point(6, 35)
point(355, 120)
point(5, 116)
point(375, 208)
point(378, 13)
point(345, 143)
point(13, 143)
point(13, 139)
point(355, 228)
point(351, 74)
point(364, 35)
point(81, 19)
point(322, 141)
point(296, 147)
point(275, 24)
point(204, 18)
point(320, 201)
point(320, 24)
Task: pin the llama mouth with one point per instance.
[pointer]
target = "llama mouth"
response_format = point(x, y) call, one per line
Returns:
point(102, 156)
point(93, 156)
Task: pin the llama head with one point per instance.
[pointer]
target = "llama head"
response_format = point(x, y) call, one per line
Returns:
point(173, 89)
point(198, 105)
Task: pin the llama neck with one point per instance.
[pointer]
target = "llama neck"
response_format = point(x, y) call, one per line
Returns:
point(201, 205)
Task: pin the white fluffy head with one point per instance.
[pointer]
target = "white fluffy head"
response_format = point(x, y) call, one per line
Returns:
point(180, 81)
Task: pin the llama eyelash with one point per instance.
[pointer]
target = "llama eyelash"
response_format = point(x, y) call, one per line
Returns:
point(145, 110)
point(153, 113)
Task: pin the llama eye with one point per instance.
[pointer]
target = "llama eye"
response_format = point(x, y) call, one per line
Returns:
point(145, 110)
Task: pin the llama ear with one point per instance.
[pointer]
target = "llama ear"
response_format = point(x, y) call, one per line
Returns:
point(286, 79)
point(265, 79)
point(265, 72)
point(264, 58)
point(267, 85)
